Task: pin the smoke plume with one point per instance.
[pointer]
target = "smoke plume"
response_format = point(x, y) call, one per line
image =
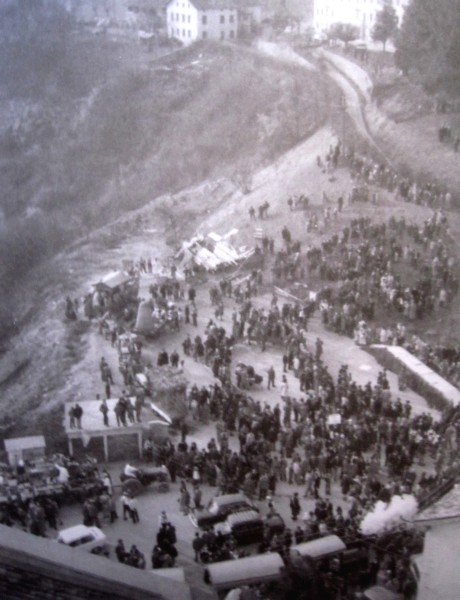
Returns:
point(388, 515)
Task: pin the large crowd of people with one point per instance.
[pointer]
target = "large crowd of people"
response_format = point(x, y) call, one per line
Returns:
point(364, 168)
point(326, 436)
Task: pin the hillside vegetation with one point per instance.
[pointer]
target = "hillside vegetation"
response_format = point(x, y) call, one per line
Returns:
point(93, 128)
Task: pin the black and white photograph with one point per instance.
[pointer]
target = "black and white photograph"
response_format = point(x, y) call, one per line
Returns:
point(229, 299)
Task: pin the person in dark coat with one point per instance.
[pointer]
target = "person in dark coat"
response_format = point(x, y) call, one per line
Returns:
point(294, 505)
point(105, 411)
point(120, 551)
point(78, 413)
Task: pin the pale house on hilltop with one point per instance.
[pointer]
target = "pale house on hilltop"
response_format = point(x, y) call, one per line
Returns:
point(192, 20)
point(361, 13)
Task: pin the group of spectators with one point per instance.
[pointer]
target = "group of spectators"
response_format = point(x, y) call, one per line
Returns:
point(368, 170)
point(330, 432)
point(164, 552)
point(370, 273)
point(372, 276)
point(133, 558)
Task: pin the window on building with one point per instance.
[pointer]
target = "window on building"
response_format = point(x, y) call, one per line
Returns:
point(204, 19)
point(232, 33)
point(205, 35)
point(189, 33)
point(222, 35)
point(189, 18)
point(232, 19)
point(222, 19)
point(183, 18)
point(183, 32)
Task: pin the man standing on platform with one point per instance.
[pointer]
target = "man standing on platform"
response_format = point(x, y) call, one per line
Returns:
point(104, 410)
point(78, 413)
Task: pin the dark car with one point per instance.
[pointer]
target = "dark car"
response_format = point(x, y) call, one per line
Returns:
point(220, 508)
point(248, 527)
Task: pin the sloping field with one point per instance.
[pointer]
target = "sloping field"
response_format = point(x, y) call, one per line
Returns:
point(129, 134)
point(209, 113)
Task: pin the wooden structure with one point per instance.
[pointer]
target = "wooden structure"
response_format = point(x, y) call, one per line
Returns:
point(25, 448)
point(93, 427)
point(438, 392)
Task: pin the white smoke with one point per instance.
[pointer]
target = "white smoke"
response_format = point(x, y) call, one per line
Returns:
point(388, 515)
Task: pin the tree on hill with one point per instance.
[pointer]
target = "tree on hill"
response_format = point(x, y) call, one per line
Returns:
point(346, 32)
point(386, 24)
point(428, 44)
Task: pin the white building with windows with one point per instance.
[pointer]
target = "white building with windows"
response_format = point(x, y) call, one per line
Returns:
point(192, 20)
point(361, 13)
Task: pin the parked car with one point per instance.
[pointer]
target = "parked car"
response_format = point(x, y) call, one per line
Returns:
point(90, 539)
point(220, 508)
point(249, 527)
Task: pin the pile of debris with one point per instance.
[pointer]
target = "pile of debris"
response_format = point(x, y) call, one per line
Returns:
point(212, 252)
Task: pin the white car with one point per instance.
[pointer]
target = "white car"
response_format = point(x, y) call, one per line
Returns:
point(90, 539)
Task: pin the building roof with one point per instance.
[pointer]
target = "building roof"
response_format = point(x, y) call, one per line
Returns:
point(25, 443)
point(448, 507)
point(214, 4)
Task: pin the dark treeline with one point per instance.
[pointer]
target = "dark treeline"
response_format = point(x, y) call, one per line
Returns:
point(428, 44)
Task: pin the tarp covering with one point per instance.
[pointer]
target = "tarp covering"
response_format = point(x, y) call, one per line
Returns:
point(113, 280)
point(243, 571)
point(321, 547)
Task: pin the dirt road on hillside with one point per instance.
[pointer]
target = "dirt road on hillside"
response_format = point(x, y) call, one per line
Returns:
point(353, 81)
point(356, 87)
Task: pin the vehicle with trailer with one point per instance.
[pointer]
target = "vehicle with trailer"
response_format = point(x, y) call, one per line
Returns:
point(134, 481)
point(327, 559)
